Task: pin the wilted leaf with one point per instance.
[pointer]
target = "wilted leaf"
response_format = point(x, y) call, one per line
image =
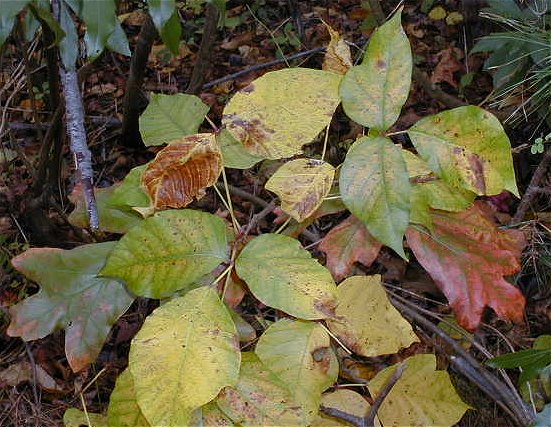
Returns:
point(374, 92)
point(346, 401)
point(76, 418)
point(347, 243)
point(299, 353)
point(281, 274)
point(234, 153)
point(301, 184)
point(467, 256)
point(422, 396)
point(182, 170)
point(337, 57)
point(169, 251)
point(209, 415)
point(281, 111)
point(259, 398)
point(185, 353)
point(123, 409)
point(171, 117)
point(71, 297)
point(366, 322)
point(375, 187)
point(468, 148)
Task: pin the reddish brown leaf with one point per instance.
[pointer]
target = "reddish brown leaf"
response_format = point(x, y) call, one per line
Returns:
point(182, 170)
point(347, 243)
point(468, 256)
point(447, 66)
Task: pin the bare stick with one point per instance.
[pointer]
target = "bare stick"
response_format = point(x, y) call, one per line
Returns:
point(369, 420)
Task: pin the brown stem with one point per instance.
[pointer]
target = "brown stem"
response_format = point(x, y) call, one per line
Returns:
point(204, 56)
point(533, 188)
point(134, 100)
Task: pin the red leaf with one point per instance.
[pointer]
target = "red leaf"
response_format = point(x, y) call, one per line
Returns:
point(468, 256)
point(347, 243)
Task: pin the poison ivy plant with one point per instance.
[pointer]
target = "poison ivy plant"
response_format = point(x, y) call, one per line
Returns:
point(186, 366)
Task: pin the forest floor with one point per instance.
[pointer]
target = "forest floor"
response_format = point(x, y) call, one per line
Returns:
point(36, 383)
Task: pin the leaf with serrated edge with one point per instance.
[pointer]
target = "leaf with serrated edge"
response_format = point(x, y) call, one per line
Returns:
point(283, 275)
point(281, 111)
point(375, 187)
point(344, 400)
point(422, 396)
point(347, 243)
point(337, 57)
point(168, 252)
point(259, 398)
point(468, 148)
point(374, 92)
point(182, 170)
point(301, 185)
point(123, 409)
point(299, 353)
point(71, 297)
point(171, 117)
point(234, 154)
point(366, 322)
point(185, 353)
point(467, 256)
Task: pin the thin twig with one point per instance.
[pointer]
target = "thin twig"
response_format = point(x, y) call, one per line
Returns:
point(370, 418)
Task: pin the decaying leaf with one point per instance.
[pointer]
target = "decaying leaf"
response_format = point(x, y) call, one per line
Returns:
point(468, 256)
point(185, 353)
point(283, 275)
point(260, 398)
point(299, 353)
point(347, 243)
point(337, 57)
point(71, 297)
point(283, 110)
point(422, 396)
point(366, 322)
point(210, 415)
point(301, 185)
point(182, 170)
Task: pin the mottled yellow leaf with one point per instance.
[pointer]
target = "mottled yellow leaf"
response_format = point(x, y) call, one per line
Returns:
point(346, 401)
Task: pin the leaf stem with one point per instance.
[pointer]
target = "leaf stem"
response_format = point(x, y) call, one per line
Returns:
point(285, 224)
point(325, 143)
point(338, 341)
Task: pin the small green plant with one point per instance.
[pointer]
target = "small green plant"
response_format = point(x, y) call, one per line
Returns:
point(538, 144)
point(189, 365)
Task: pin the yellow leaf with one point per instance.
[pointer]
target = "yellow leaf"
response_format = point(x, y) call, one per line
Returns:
point(346, 401)
point(337, 58)
point(438, 13)
point(302, 185)
point(367, 322)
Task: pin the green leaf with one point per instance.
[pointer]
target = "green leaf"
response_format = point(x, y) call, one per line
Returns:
point(172, 32)
point(301, 185)
point(68, 47)
point(161, 11)
point(8, 12)
point(76, 418)
point(422, 396)
point(185, 353)
point(374, 92)
point(171, 117)
point(168, 252)
point(31, 26)
point(366, 322)
point(71, 297)
point(42, 10)
point(259, 398)
point(234, 154)
point(543, 418)
point(130, 193)
point(281, 274)
point(101, 20)
point(468, 148)
point(299, 353)
point(123, 408)
point(281, 111)
point(375, 187)
point(117, 41)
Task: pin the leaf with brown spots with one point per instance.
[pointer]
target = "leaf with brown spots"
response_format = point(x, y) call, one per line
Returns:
point(182, 170)
point(347, 243)
point(71, 297)
point(337, 58)
point(467, 256)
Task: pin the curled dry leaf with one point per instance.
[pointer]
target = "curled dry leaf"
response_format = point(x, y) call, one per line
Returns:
point(337, 58)
point(182, 170)
point(468, 256)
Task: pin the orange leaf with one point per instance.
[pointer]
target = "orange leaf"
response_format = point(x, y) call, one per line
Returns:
point(182, 170)
point(468, 256)
point(347, 243)
point(337, 58)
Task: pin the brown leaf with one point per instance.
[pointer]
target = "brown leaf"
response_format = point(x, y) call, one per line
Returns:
point(347, 243)
point(447, 66)
point(182, 170)
point(337, 58)
point(468, 256)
